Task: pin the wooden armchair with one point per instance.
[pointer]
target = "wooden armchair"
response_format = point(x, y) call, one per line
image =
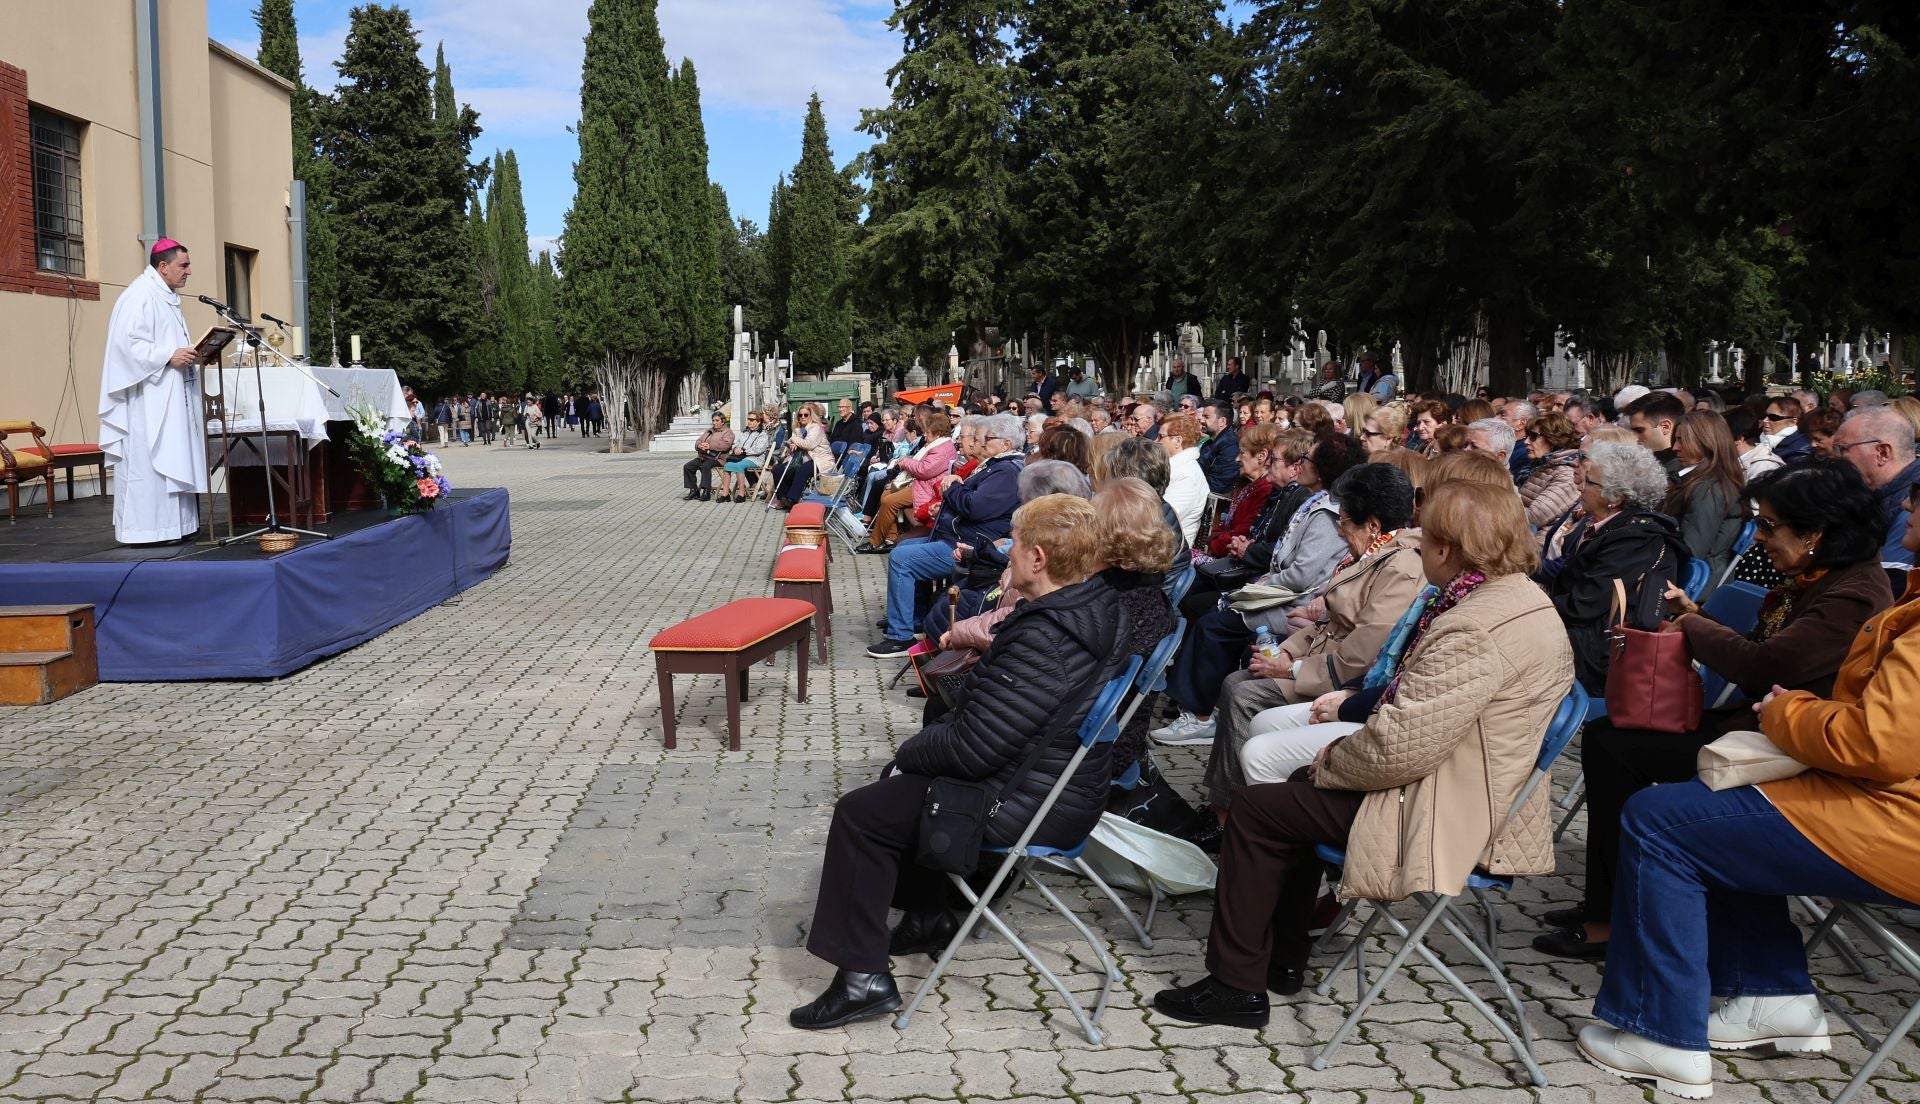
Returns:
point(24, 462)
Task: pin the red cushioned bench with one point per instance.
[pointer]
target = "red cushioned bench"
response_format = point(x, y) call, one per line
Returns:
point(68, 457)
point(729, 641)
point(806, 524)
point(802, 573)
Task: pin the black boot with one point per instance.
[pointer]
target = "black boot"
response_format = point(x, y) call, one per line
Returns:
point(1285, 981)
point(849, 998)
point(926, 933)
point(1208, 1001)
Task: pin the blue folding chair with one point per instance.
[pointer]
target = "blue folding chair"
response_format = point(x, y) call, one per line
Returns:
point(1178, 585)
point(1017, 862)
point(1737, 606)
point(1567, 719)
point(1742, 544)
point(850, 464)
point(839, 449)
point(1694, 582)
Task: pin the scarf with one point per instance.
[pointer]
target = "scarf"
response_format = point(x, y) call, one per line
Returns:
point(1442, 600)
point(1777, 607)
point(1388, 662)
point(1377, 544)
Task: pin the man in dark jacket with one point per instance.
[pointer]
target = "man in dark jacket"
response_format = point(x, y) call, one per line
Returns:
point(1044, 385)
point(1179, 382)
point(1234, 382)
point(1220, 452)
point(1037, 682)
point(976, 512)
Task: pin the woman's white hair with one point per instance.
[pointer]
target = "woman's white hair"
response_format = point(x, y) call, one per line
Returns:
point(1628, 474)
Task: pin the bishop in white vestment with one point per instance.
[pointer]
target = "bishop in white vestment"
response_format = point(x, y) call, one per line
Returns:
point(152, 425)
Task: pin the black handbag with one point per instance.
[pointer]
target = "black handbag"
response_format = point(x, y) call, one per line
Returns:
point(1224, 573)
point(953, 819)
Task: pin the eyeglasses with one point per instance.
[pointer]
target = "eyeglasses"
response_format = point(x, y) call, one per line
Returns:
point(1841, 450)
point(1764, 526)
point(1371, 433)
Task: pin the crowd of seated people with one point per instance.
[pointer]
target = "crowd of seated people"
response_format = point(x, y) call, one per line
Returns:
point(1383, 613)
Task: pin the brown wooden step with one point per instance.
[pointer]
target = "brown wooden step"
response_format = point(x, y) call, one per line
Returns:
point(36, 678)
point(46, 628)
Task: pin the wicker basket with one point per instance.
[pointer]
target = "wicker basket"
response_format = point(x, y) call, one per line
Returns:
point(278, 542)
point(807, 535)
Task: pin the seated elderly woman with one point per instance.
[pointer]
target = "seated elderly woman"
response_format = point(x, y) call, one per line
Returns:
point(1247, 505)
point(809, 453)
point(1366, 595)
point(1305, 558)
point(747, 453)
point(1417, 793)
point(1246, 557)
point(1384, 431)
point(1035, 683)
point(1700, 908)
point(1553, 480)
point(987, 593)
point(1187, 482)
point(1820, 526)
point(1621, 536)
point(1066, 442)
point(919, 476)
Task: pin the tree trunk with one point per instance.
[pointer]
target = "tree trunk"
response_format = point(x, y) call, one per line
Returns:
point(1512, 353)
point(615, 375)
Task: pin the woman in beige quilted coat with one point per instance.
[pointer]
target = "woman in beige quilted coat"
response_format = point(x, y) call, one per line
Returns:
point(1420, 794)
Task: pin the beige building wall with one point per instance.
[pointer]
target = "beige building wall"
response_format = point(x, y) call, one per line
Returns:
point(227, 140)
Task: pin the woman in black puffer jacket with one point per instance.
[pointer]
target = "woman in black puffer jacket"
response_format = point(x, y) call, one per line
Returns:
point(1048, 662)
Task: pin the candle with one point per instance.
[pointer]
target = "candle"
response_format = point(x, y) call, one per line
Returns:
point(355, 341)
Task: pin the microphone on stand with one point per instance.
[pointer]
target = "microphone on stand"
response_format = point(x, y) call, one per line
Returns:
point(275, 321)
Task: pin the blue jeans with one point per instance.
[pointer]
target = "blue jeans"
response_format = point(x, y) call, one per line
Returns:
point(1700, 908)
point(913, 562)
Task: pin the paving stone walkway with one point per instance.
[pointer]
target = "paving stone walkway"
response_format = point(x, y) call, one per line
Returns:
point(455, 865)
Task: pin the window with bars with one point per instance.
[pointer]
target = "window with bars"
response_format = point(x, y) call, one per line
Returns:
point(59, 229)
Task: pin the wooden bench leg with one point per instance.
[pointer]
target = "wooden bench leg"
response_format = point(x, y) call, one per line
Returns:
point(736, 693)
point(664, 676)
point(800, 655)
point(821, 619)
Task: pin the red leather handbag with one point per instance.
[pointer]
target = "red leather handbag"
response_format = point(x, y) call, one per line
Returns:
point(1651, 681)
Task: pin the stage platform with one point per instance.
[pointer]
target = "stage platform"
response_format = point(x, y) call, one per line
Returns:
point(204, 612)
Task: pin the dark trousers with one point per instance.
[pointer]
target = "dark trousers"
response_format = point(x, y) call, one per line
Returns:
point(793, 483)
point(869, 866)
point(1701, 908)
point(1211, 652)
point(1620, 762)
point(700, 467)
point(1269, 877)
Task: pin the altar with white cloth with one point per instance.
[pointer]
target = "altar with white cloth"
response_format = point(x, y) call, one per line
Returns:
point(319, 478)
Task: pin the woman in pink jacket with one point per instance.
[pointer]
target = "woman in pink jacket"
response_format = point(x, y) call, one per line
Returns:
point(928, 465)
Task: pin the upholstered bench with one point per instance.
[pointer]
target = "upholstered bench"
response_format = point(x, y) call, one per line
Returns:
point(22, 462)
point(806, 524)
point(802, 573)
point(729, 641)
point(70, 456)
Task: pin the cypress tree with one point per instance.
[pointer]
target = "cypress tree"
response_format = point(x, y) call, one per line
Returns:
point(705, 321)
point(779, 262)
point(616, 290)
point(506, 224)
point(407, 284)
point(280, 53)
point(487, 367)
point(819, 324)
point(546, 354)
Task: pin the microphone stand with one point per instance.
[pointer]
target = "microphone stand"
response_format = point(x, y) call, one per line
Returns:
point(251, 335)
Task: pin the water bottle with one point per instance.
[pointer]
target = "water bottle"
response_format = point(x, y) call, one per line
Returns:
point(1265, 644)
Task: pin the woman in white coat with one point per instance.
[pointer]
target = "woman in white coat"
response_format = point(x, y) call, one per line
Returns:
point(1187, 482)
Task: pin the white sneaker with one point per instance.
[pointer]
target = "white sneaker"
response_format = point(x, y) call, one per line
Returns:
point(1684, 1073)
point(1794, 1023)
point(1186, 729)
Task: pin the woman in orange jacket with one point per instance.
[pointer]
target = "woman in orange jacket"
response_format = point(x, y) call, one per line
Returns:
point(1700, 905)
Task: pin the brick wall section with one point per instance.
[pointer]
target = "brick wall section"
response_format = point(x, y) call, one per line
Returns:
point(17, 273)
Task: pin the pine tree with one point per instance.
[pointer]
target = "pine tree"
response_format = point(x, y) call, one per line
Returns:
point(407, 283)
point(932, 247)
point(280, 53)
point(617, 287)
point(819, 324)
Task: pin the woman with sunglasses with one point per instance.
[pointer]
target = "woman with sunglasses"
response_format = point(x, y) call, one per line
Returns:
point(1822, 529)
point(1553, 482)
point(808, 451)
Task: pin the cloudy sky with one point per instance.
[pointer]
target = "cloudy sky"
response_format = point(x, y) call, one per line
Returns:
point(518, 63)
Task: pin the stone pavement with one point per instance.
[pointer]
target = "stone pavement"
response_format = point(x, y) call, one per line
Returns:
point(454, 864)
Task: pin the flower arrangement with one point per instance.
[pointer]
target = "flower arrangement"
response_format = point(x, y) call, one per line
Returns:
point(399, 467)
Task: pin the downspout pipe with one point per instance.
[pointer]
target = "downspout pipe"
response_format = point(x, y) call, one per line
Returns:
point(297, 228)
point(153, 177)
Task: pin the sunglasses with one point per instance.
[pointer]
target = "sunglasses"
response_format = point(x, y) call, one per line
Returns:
point(1775, 418)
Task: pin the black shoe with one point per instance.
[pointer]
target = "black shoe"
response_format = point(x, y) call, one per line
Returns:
point(880, 624)
point(1566, 919)
point(850, 998)
point(1206, 832)
point(692, 495)
point(926, 933)
point(875, 549)
point(1285, 980)
point(888, 649)
point(705, 495)
point(914, 691)
point(1570, 944)
point(1212, 1002)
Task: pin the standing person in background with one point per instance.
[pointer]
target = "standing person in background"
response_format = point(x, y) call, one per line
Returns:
point(530, 420)
point(463, 419)
point(483, 418)
point(442, 418)
point(416, 416)
point(596, 415)
point(1233, 382)
point(1180, 383)
point(1375, 379)
point(550, 412)
point(1078, 383)
point(1044, 385)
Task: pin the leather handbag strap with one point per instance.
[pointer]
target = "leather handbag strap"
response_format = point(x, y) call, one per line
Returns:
point(1618, 615)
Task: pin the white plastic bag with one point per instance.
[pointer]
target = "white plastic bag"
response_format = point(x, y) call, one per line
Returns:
point(1126, 855)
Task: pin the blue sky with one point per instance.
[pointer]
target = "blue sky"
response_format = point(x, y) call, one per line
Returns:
point(518, 63)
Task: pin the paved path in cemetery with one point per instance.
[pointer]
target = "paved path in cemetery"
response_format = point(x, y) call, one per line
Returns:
point(455, 864)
